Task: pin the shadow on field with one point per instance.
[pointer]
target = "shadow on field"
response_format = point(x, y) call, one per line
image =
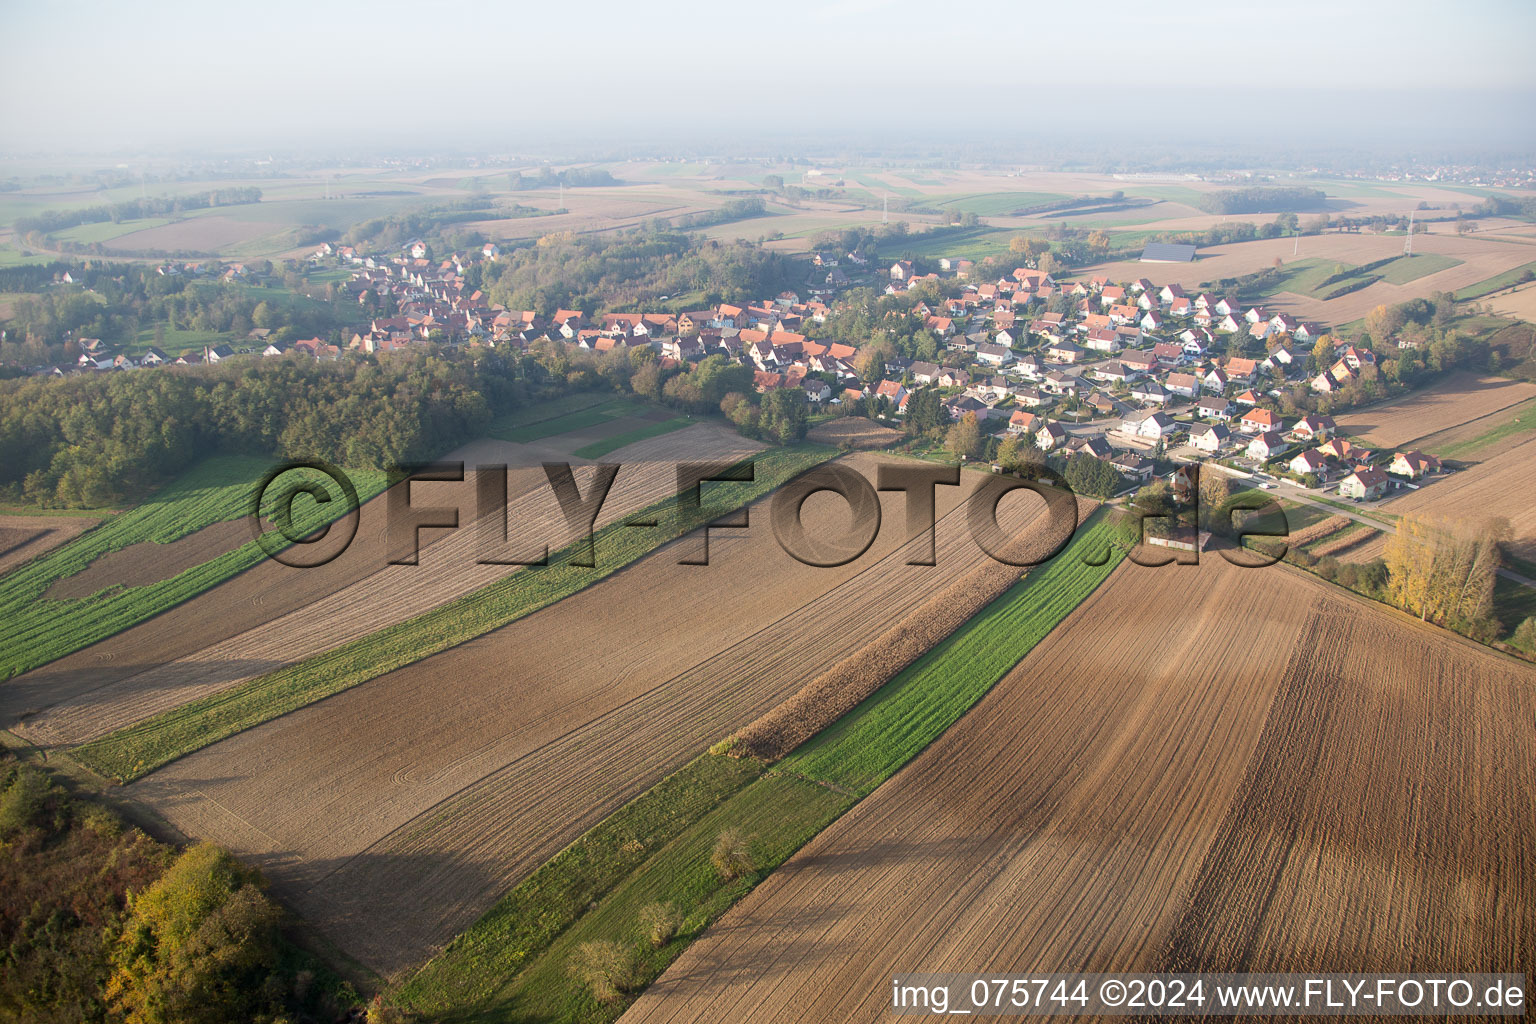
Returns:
point(32, 694)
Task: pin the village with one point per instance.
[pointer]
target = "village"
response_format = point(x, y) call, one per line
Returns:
point(1138, 375)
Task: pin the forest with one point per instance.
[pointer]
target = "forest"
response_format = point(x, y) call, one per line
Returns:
point(651, 268)
point(98, 439)
point(1261, 199)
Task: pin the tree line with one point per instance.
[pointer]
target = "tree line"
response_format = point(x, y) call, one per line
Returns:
point(50, 221)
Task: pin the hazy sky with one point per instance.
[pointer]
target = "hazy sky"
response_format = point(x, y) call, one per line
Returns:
point(481, 76)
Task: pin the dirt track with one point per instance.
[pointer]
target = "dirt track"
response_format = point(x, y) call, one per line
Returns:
point(272, 615)
point(394, 813)
point(1199, 769)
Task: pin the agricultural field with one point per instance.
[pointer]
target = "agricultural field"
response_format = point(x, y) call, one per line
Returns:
point(1461, 398)
point(24, 537)
point(1157, 819)
point(1500, 485)
point(275, 616)
point(519, 740)
point(1518, 303)
point(1442, 262)
point(137, 542)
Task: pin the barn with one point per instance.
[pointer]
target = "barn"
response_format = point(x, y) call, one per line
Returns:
point(1167, 252)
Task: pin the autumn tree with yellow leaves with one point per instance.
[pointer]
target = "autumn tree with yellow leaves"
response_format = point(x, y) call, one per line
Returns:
point(1444, 572)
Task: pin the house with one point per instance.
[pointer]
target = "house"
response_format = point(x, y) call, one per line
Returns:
point(1149, 391)
point(1240, 369)
point(1365, 484)
point(1101, 339)
point(1209, 437)
point(994, 355)
point(1050, 436)
point(1154, 425)
point(1031, 365)
point(924, 373)
point(1058, 383)
point(1185, 385)
point(1249, 397)
point(217, 353)
point(1064, 351)
point(892, 390)
point(1141, 362)
point(1168, 353)
point(1229, 323)
point(1152, 321)
point(1170, 292)
point(1216, 380)
point(1226, 307)
point(1313, 426)
point(962, 404)
point(1111, 371)
point(1267, 445)
point(1413, 464)
point(1022, 422)
point(154, 357)
point(1259, 421)
point(1030, 398)
point(1214, 407)
point(1341, 449)
point(1307, 463)
point(1134, 466)
point(1095, 446)
point(901, 270)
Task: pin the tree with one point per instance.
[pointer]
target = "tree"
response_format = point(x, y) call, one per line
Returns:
point(660, 922)
point(196, 945)
point(869, 362)
point(1525, 634)
point(1091, 476)
point(923, 411)
point(607, 968)
point(964, 438)
point(775, 181)
point(732, 856)
point(785, 416)
point(1444, 572)
point(1322, 353)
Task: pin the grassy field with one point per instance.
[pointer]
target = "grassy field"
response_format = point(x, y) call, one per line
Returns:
point(597, 449)
point(1510, 277)
point(38, 630)
point(133, 752)
point(970, 243)
point(579, 417)
point(547, 410)
point(106, 230)
point(512, 964)
point(1411, 268)
point(996, 204)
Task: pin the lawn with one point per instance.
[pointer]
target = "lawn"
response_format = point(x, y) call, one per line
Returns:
point(512, 963)
point(598, 449)
point(136, 751)
point(40, 630)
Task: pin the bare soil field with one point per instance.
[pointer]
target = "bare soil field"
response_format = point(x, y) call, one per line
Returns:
point(23, 538)
point(273, 615)
point(1500, 485)
point(199, 234)
point(856, 431)
point(1481, 258)
point(1192, 803)
point(1462, 397)
point(140, 564)
point(1519, 303)
point(391, 815)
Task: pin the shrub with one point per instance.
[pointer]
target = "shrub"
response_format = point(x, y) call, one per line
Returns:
point(1525, 634)
point(660, 922)
point(733, 854)
point(606, 968)
point(22, 801)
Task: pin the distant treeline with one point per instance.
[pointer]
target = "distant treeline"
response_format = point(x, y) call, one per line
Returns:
point(1261, 199)
point(1505, 206)
point(736, 209)
point(58, 220)
point(575, 177)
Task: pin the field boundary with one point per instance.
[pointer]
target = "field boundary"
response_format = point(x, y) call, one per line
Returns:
point(133, 752)
point(492, 968)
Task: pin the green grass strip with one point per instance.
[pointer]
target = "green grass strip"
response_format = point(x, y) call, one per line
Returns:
point(39, 629)
point(573, 416)
point(477, 977)
point(529, 918)
point(1496, 283)
point(598, 449)
point(869, 744)
point(1515, 420)
point(136, 751)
